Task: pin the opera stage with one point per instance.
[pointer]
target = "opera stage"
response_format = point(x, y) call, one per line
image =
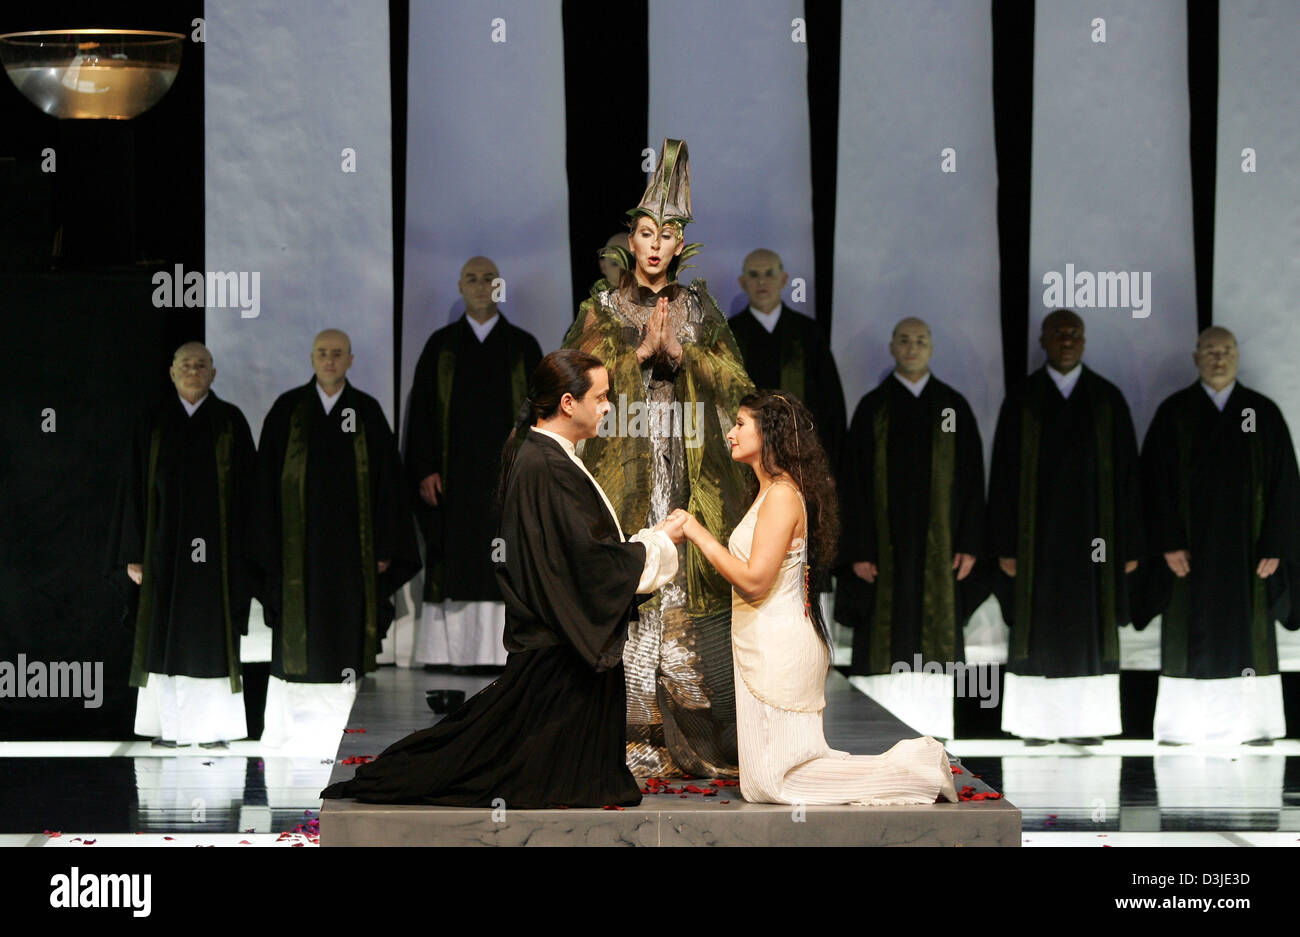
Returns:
point(392, 705)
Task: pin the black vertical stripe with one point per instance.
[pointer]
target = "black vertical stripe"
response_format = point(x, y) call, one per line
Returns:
point(607, 109)
point(1203, 105)
point(1013, 110)
point(823, 19)
point(399, 32)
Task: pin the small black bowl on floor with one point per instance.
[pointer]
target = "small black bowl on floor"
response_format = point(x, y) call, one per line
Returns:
point(444, 701)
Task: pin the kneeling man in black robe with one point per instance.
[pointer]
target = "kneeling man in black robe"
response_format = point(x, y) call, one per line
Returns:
point(550, 732)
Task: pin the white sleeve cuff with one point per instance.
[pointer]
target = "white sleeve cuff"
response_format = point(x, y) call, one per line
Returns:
point(660, 559)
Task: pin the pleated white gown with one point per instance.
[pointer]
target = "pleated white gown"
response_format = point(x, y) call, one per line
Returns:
point(780, 672)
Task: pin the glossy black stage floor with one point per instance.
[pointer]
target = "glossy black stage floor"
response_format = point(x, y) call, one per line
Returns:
point(392, 705)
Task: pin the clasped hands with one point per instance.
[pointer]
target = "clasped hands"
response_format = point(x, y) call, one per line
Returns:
point(659, 340)
point(679, 525)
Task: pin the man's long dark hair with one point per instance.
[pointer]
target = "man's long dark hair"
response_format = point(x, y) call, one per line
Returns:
point(791, 448)
point(567, 371)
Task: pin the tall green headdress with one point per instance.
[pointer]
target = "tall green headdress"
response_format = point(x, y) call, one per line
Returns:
point(668, 196)
point(667, 199)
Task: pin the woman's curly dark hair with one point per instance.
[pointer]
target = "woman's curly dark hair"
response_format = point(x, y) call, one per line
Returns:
point(792, 448)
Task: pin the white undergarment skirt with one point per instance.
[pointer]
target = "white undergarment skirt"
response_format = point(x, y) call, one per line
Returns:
point(1061, 707)
point(463, 634)
point(307, 717)
point(189, 710)
point(1229, 710)
point(922, 700)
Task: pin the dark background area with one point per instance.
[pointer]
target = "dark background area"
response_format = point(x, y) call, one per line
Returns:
point(78, 247)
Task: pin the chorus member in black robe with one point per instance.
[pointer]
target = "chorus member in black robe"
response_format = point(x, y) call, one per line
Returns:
point(335, 539)
point(912, 490)
point(550, 731)
point(1065, 522)
point(1224, 501)
point(182, 526)
point(470, 381)
point(784, 348)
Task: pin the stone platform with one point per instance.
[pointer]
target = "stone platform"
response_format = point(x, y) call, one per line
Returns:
point(391, 705)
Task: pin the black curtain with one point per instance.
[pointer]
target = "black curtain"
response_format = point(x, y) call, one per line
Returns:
point(1013, 111)
point(607, 102)
point(1203, 105)
point(823, 18)
point(86, 345)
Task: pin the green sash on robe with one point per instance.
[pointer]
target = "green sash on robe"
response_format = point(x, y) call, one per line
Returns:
point(938, 602)
point(144, 611)
point(1103, 421)
point(1176, 620)
point(293, 533)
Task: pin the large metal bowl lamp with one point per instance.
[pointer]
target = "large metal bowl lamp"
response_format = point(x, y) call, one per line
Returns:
point(113, 74)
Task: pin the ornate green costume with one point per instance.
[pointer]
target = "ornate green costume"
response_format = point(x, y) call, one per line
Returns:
point(662, 447)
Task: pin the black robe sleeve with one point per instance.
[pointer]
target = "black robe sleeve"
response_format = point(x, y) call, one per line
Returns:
point(566, 575)
point(1277, 538)
point(1004, 481)
point(393, 524)
point(831, 393)
point(858, 531)
point(968, 506)
point(854, 596)
point(244, 576)
point(264, 525)
point(1151, 583)
point(1280, 534)
point(423, 431)
point(1128, 482)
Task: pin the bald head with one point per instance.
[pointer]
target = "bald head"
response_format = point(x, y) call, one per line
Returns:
point(192, 371)
point(911, 347)
point(478, 263)
point(1216, 357)
point(1063, 340)
point(477, 281)
point(331, 356)
point(334, 335)
point(911, 323)
point(1215, 333)
point(762, 277)
point(192, 350)
point(762, 256)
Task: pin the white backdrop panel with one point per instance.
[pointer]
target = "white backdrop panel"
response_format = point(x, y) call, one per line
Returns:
point(1257, 215)
point(1112, 187)
point(486, 166)
point(911, 239)
point(730, 80)
point(287, 88)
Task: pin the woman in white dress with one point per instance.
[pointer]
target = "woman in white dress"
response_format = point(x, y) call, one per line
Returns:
point(780, 645)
